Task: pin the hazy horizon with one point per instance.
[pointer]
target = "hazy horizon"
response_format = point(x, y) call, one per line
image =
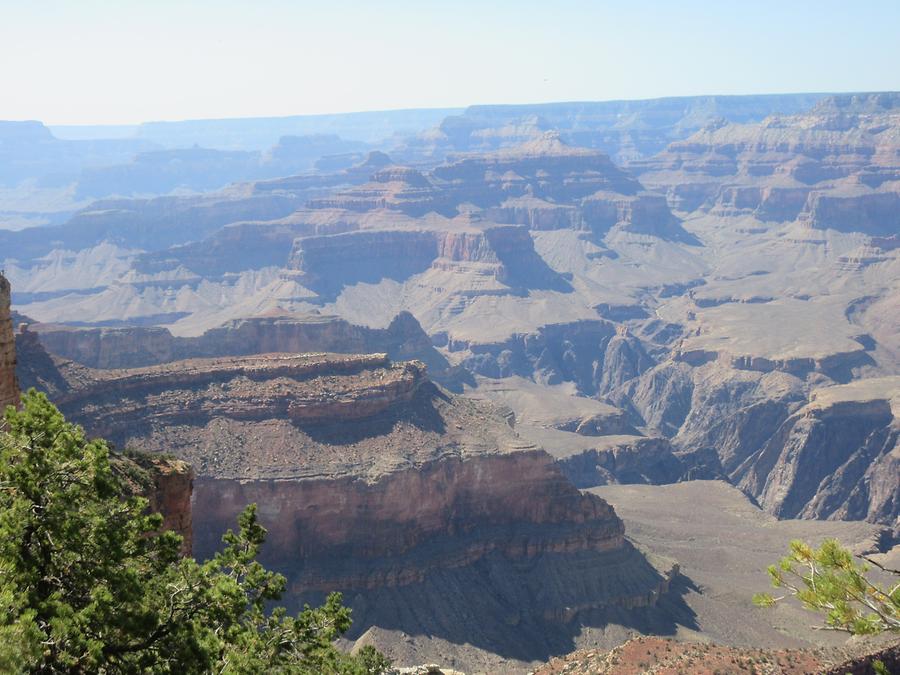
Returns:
point(88, 63)
point(442, 108)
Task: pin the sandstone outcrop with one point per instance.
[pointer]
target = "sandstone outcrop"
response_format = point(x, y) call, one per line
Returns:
point(9, 385)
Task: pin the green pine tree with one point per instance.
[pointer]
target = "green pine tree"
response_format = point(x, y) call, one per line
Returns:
point(828, 580)
point(89, 584)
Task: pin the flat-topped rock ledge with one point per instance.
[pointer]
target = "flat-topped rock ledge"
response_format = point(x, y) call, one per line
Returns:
point(300, 387)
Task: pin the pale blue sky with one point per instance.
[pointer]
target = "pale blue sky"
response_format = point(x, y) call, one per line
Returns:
point(127, 61)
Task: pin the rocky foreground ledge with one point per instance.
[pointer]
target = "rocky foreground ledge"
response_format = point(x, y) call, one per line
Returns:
point(660, 655)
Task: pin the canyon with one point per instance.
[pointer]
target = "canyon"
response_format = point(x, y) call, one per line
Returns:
point(426, 359)
point(374, 481)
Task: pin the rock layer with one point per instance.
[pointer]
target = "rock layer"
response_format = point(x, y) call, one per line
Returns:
point(276, 331)
point(373, 481)
point(837, 457)
point(445, 514)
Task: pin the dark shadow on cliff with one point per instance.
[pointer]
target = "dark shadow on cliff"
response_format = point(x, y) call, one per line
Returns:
point(423, 412)
point(526, 609)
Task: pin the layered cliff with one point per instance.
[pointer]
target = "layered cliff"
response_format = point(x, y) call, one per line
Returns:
point(187, 396)
point(374, 481)
point(275, 331)
point(802, 451)
point(625, 130)
point(465, 245)
point(541, 261)
point(167, 483)
point(452, 236)
point(834, 166)
point(837, 457)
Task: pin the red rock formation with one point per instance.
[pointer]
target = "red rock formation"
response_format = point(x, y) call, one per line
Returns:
point(9, 385)
point(167, 484)
point(353, 534)
point(173, 488)
point(662, 655)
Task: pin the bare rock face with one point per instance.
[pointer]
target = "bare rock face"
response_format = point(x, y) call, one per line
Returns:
point(544, 263)
point(399, 529)
point(167, 484)
point(297, 388)
point(506, 253)
point(545, 168)
point(276, 331)
point(624, 460)
point(625, 130)
point(834, 166)
point(835, 458)
point(9, 385)
point(150, 223)
point(173, 486)
point(556, 353)
point(826, 452)
point(876, 213)
point(35, 366)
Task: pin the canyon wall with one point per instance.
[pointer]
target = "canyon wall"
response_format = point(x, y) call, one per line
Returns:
point(139, 346)
point(373, 481)
point(348, 534)
point(836, 457)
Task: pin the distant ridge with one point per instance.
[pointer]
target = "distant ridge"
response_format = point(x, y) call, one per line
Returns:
point(258, 132)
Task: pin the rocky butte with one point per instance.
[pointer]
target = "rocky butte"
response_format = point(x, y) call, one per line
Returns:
point(376, 482)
